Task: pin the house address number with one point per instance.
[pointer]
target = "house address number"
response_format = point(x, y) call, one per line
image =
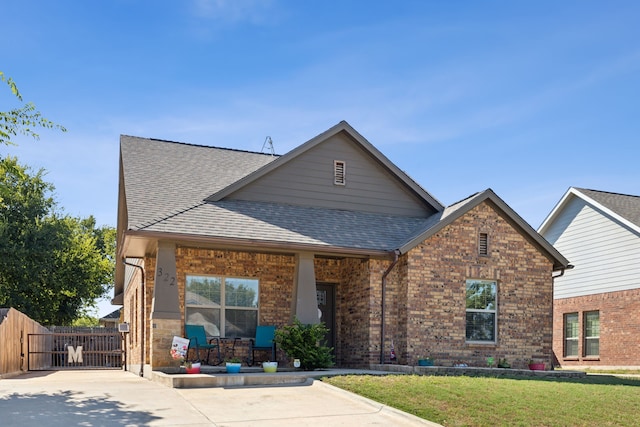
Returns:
point(166, 277)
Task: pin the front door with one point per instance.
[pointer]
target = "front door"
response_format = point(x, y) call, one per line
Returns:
point(325, 293)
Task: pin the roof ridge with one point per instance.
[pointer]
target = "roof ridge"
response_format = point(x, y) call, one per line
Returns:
point(200, 145)
point(606, 192)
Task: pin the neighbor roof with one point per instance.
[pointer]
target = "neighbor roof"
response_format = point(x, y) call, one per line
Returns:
point(624, 207)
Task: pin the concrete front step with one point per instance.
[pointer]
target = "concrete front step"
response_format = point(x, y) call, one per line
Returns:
point(215, 376)
point(226, 380)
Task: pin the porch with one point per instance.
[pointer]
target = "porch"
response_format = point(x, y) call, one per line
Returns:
point(216, 376)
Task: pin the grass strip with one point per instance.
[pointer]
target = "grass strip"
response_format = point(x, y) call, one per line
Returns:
point(600, 400)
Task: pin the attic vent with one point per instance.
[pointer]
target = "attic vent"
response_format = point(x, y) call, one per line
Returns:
point(483, 245)
point(339, 170)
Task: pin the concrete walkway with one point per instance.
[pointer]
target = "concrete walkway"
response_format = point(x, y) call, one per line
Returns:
point(118, 398)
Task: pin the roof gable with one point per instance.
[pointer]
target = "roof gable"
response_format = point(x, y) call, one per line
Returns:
point(623, 208)
point(453, 212)
point(305, 177)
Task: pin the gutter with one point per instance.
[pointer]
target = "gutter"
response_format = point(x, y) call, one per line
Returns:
point(562, 270)
point(251, 244)
point(142, 312)
point(384, 291)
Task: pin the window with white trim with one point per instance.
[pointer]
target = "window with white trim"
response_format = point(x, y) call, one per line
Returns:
point(571, 331)
point(226, 306)
point(591, 333)
point(482, 310)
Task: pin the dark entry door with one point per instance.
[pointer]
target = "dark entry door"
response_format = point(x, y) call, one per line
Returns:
point(325, 294)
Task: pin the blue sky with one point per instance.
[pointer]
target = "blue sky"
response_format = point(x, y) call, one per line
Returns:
point(526, 98)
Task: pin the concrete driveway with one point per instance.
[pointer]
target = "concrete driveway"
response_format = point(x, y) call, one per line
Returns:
point(118, 398)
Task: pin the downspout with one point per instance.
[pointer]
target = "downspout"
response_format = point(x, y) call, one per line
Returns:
point(142, 312)
point(553, 298)
point(384, 291)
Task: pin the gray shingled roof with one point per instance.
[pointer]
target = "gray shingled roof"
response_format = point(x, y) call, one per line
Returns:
point(166, 184)
point(625, 205)
point(270, 222)
point(163, 177)
point(114, 315)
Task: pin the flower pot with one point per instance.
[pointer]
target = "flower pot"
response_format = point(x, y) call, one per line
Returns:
point(425, 362)
point(536, 366)
point(270, 366)
point(233, 368)
point(194, 369)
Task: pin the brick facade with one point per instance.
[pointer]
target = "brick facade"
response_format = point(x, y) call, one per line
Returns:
point(425, 296)
point(619, 329)
point(435, 302)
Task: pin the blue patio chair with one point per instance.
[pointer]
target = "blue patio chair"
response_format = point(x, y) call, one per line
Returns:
point(264, 341)
point(198, 341)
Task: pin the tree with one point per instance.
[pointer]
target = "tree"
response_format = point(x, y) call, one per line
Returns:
point(52, 266)
point(23, 119)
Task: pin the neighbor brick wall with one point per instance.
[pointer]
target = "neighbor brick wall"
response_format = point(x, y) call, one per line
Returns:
point(437, 271)
point(619, 328)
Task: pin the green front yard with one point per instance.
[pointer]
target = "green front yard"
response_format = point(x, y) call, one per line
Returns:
point(476, 401)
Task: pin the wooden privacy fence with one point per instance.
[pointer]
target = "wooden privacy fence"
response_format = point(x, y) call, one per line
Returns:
point(14, 328)
point(101, 349)
point(27, 345)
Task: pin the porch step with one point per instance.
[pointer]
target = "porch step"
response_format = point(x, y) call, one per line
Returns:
point(227, 380)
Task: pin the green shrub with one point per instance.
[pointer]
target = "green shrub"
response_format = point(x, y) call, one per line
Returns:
point(305, 342)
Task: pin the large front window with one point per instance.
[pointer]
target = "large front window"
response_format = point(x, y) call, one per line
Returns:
point(591, 333)
point(481, 310)
point(226, 306)
point(571, 330)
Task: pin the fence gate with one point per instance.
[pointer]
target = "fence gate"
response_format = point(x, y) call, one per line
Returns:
point(75, 348)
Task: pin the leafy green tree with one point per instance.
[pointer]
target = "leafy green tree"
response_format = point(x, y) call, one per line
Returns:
point(23, 119)
point(52, 266)
point(86, 321)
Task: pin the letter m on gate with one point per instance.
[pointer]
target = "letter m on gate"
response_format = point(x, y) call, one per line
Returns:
point(75, 355)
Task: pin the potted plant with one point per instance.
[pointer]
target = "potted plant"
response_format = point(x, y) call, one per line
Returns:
point(425, 361)
point(305, 343)
point(192, 367)
point(233, 365)
point(270, 367)
point(504, 363)
point(536, 366)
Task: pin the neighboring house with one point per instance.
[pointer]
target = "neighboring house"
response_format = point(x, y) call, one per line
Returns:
point(597, 303)
point(111, 320)
point(333, 232)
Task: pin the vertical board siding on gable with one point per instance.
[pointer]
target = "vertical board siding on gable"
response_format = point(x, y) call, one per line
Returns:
point(605, 253)
point(308, 180)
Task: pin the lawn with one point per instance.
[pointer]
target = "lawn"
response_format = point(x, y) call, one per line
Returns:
point(477, 401)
